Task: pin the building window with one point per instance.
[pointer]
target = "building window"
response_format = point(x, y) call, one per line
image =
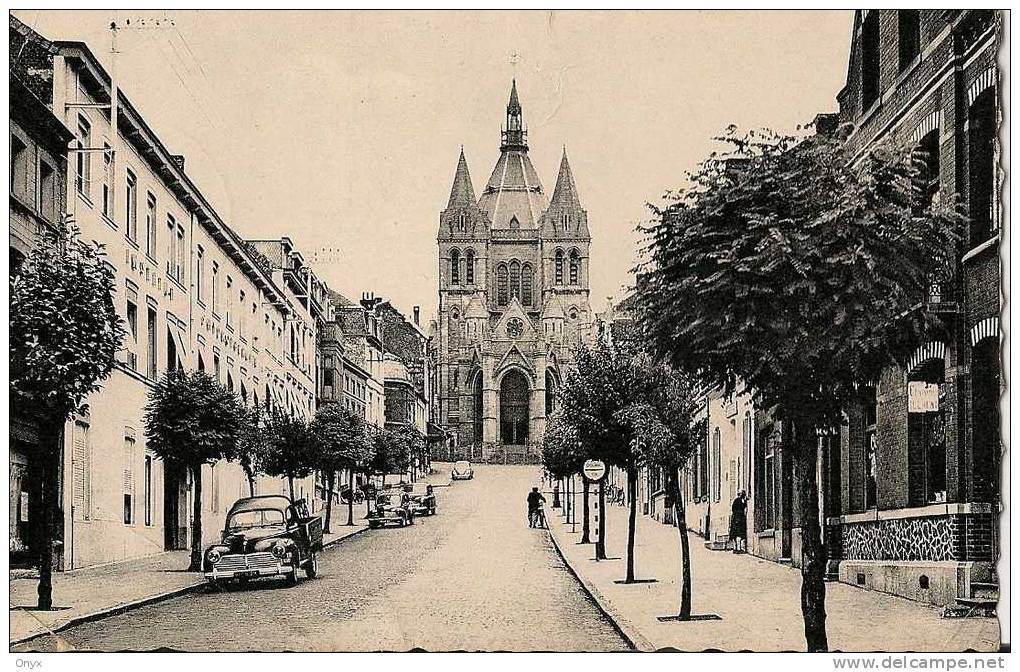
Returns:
point(716, 465)
point(461, 222)
point(559, 267)
point(214, 482)
point(150, 225)
point(83, 161)
point(200, 274)
point(926, 434)
point(502, 285)
point(515, 280)
point(48, 193)
point(927, 169)
point(455, 266)
point(175, 260)
point(172, 361)
point(129, 480)
point(19, 167)
point(982, 150)
point(81, 468)
point(230, 301)
point(870, 59)
point(150, 370)
point(575, 267)
point(107, 181)
point(241, 314)
point(131, 206)
point(527, 281)
point(910, 36)
point(215, 288)
point(469, 271)
point(147, 486)
point(216, 366)
point(565, 221)
point(769, 478)
point(870, 448)
point(132, 320)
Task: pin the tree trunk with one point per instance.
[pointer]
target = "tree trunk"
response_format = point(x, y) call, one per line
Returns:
point(49, 440)
point(812, 591)
point(290, 483)
point(680, 513)
point(251, 482)
point(330, 482)
point(586, 514)
point(632, 478)
point(196, 523)
point(350, 496)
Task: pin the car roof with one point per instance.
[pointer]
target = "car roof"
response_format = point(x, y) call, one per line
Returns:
point(279, 502)
point(461, 462)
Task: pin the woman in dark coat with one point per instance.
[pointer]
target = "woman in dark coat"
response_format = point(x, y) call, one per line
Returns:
point(738, 523)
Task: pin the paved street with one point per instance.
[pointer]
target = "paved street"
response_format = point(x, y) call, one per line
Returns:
point(472, 578)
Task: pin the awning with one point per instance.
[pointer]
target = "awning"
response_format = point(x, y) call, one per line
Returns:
point(180, 343)
point(434, 432)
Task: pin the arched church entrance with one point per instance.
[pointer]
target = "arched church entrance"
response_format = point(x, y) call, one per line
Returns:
point(514, 393)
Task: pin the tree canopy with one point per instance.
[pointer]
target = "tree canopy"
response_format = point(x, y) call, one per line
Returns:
point(64, 328)
point(292, 447)
point(792, 265)
point(191, 419)
point(343, 438)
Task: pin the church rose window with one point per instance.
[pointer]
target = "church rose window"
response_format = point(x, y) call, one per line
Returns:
point(455, 266)
point(527, 279)
point(514, 328)
point(469, 272)
point(502, 290)
point(559, 267)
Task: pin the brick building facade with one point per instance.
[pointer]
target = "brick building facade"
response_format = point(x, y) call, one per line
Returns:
point(911, 494)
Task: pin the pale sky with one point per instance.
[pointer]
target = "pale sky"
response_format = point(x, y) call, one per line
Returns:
point(342, 129)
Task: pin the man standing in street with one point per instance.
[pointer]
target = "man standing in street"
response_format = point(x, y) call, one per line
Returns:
point(535, 500)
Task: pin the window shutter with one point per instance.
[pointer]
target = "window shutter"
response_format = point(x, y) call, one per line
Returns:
point(80, 467)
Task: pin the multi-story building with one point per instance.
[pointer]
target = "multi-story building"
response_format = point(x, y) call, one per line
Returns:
point(38, 173)
point(192, 294)
point(912, 497)
point(513, 297)
point(351, 356)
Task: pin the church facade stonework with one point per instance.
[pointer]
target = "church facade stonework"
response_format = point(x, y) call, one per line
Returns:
point(513, 298)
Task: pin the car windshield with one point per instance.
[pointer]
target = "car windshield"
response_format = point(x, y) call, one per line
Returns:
point(462, 465)
point(245, 520)
point(419, 489)
point(387, 498)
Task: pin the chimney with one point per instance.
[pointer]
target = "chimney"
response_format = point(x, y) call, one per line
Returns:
point(417, 316)
point(178, 159)
point(368, 300)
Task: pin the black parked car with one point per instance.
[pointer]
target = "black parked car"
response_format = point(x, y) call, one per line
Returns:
point(265, 536)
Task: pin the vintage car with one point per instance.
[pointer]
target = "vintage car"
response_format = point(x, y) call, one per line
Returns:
point(462, 471)
point(423, 499)
point(391, 509)
point(265, 536)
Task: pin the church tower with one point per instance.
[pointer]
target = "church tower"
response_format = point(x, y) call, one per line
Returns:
point(513, 298)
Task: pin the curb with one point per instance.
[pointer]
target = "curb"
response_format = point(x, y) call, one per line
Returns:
point(634, 638)
point(119, 609)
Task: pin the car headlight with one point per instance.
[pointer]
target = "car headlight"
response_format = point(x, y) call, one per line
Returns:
point(213, 556)
point(279, 550)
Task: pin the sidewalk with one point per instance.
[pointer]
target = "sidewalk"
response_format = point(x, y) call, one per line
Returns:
point(94, 592)
point(758, 601)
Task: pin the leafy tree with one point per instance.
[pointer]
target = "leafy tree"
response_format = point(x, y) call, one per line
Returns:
point(592, 397)
point(192, 420)
point(253, 443)
point(667, 436)
point(64, 336)
point(344, 445)
point(292, 448)
point(390, 453)
point(414, 443)
point(798, 270)
point(563, 456)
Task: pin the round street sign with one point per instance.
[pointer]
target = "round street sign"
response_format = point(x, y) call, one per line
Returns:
point(594, 470)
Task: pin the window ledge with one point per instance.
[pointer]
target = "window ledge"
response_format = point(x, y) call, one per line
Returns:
point(991, 242)
point(129, 240)
point(85, 199)
point(175, 281)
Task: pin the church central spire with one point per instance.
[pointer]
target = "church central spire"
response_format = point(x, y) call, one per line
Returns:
point(515, 136)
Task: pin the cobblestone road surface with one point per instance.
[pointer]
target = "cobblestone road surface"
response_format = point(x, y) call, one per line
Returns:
point(474, 577)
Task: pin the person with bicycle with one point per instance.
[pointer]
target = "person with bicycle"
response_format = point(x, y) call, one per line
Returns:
point(535, 501)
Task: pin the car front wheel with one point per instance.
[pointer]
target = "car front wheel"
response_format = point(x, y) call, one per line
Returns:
point(312, 566)
point(292, 577)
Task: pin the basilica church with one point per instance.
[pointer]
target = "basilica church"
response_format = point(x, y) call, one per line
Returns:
point(513, 298)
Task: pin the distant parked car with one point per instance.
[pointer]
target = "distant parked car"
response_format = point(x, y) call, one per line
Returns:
point(392, 507)
point(423, 499)
point(462, 471)
point(265, 536)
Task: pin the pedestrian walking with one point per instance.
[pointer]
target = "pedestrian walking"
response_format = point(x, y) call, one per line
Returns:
point(738, 523)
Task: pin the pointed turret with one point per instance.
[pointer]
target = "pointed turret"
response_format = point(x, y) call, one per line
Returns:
point(565, 192)
point(462, 193)
point(514, 106)
point(514, 134)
